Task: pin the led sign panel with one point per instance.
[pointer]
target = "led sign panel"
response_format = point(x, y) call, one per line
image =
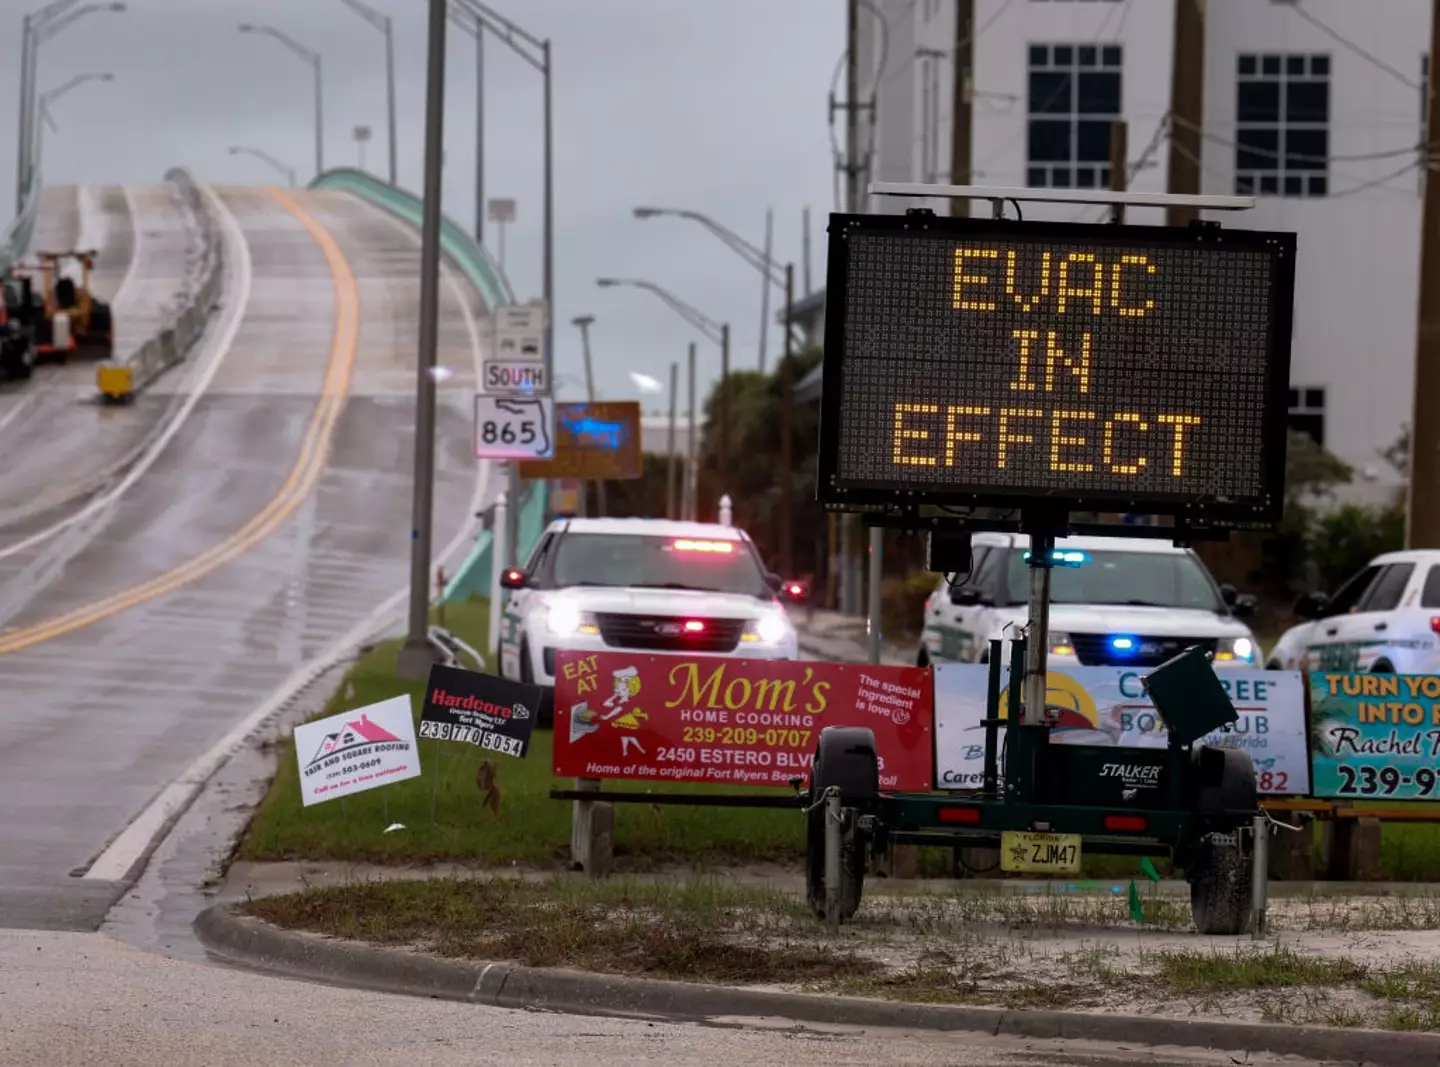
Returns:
point(988, 362)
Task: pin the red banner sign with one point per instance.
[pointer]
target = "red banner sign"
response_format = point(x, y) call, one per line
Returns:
point(733, 721)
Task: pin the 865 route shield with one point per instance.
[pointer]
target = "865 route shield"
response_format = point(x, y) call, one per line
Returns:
point(733, 721)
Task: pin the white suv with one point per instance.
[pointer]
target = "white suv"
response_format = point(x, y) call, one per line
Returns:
point(651, 585)
point(1384, 619)
point(1114, 601)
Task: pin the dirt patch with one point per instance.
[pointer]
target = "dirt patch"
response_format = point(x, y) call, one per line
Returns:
point(1042, 950)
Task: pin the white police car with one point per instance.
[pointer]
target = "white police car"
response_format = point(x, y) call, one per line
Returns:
point(1385, 618)
point(1114, 601)
point(642, 585)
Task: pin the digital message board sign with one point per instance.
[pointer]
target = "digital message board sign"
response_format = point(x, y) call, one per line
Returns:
point(989, 362)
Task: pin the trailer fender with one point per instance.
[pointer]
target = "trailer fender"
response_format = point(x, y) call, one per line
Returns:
point(845, 757)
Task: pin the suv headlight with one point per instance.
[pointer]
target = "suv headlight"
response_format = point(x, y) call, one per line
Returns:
point(566, 620)
point(1061, 645)
point(1230, 649)
point(770, 629)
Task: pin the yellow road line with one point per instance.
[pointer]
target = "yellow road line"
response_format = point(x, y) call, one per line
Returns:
point(303, 477)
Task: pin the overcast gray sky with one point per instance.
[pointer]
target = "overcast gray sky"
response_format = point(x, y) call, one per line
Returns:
point(714, 105)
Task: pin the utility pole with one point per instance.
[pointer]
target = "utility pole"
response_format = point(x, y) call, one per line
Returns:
point(1422, 515)
point(584, 321)
point(961, 102)
point(805, 248)
point(1187, 107)
point(480, 139)
point(692, 474)
point(852, 586)
point(670, 512)
point(1119, 165)
point(765, 287)
point(725, 406)
point(787, 460)
point(416, 656)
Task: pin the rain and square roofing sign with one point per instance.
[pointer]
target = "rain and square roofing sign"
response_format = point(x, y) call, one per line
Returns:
point(356, 750)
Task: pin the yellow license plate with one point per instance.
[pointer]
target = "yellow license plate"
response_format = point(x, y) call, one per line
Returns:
point(1030, 853)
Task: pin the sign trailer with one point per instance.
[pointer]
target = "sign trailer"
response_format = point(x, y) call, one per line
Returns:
point(995, 374)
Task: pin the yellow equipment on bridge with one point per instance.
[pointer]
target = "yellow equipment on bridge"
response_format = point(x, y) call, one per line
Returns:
point(116, 382)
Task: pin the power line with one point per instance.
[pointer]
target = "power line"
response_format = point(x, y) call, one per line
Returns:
point(1361, 187)
point(1361, 157)
point(1345, 42)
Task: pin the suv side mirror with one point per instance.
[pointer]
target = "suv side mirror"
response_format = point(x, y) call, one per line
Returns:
point(774, 581)
point(1229, 594)
point(967, 595)
point(1311, 606)
point(1245, 606)
point(514, 578)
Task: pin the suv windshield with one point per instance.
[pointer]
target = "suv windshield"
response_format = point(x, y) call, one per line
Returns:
point(625, 560)
point(1159, 579)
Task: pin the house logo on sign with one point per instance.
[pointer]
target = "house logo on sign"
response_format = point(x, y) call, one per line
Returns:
point(357, 733)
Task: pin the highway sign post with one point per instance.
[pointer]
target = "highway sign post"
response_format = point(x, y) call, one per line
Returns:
point(501, 212)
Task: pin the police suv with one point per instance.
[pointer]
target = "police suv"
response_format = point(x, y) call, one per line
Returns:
point(1114, 601)
point(642, 585)
point(1385, 618)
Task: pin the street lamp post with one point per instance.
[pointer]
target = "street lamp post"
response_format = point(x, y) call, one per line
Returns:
point(584, 322)
point(760, 260)
point(524, 45)
point(313, 58)
point(50, 96)
point(416, 656)
point(717, 332)
point(289, 172)
point(37, 28)
point(475, 28)
point(385, 25)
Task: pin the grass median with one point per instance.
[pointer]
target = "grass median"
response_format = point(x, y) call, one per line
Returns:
point(441, 817)
point(1056, 951)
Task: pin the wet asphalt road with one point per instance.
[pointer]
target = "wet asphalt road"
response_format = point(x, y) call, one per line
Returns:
point(100, 711)
point(56, 444)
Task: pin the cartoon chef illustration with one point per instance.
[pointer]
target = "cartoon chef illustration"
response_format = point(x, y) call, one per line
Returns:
point(621, 711)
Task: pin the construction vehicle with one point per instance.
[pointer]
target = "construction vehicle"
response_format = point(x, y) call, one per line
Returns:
point(17, 336)
point(68, 320)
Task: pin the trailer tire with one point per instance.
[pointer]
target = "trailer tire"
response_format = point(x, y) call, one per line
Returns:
point(1220, 884)
point(844, 757)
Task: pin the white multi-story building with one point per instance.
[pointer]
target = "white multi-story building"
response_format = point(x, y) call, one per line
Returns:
point(1314, 106)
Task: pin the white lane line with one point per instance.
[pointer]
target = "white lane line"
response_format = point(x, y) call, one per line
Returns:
point(20, 405)
point(236, 299)
point(147, 829)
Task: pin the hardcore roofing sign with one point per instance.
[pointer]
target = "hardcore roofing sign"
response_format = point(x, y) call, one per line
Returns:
point(356, 750)
point(491, 713)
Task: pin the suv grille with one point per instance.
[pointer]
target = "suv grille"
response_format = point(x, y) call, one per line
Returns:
point(1093, 650)
point(664, 633)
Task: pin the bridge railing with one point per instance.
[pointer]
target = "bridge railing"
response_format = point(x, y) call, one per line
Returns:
point(488, 280)
point(15, 241)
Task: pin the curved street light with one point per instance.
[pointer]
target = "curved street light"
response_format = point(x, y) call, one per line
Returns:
point(313, 58)
point(289, 172)
point(51, 95)
point(718, 332)
point(37, 28)
point(386, 26)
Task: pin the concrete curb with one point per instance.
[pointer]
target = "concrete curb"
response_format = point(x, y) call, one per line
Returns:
point(250, 942)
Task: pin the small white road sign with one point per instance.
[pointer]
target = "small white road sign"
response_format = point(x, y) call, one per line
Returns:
point(514, 427)
point(514, 378)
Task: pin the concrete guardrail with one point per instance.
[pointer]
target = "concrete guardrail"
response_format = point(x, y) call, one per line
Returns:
point(472, 578)
point(172, 343)
point(15, 241)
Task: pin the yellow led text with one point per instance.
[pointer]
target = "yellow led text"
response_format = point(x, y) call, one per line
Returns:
point(1072, 283)
point(1074, 439)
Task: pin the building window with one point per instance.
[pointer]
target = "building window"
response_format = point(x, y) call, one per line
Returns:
point(1074, 99)
point(1307, 412)
point(1282, 125)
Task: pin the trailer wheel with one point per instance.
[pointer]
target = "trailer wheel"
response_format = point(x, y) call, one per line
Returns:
point(844, 757)
point(1220, 882)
